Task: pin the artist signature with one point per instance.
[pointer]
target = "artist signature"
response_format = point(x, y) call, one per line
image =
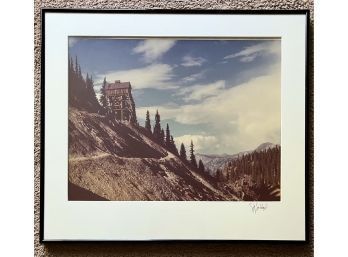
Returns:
point(257, 206)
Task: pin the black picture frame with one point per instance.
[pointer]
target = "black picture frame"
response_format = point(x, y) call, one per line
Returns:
point(308, 114)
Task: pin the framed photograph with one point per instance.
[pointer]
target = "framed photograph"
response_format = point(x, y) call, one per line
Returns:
point(173, 125)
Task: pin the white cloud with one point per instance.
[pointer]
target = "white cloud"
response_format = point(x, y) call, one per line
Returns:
point(249, 58)
point(200, 142)
point(241, 117)
point(249, 53)
point(189, 61)
point(193, 77)
point(153, 49)
point(200, 92)
point(152, 76)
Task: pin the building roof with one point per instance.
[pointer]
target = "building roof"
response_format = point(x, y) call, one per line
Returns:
point(118, 85)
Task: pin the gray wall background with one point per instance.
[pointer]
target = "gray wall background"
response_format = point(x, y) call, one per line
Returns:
point(165, 249)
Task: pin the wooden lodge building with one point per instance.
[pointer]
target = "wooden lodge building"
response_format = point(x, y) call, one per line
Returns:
point(120, 100)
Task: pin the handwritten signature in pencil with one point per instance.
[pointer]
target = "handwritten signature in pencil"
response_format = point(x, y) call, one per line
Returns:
point(257, 206)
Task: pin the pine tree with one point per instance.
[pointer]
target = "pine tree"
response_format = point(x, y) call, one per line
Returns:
point(168, 144)
point(183, 152)
point(219, 175)
point(79, 72)
point(87, 80)
point(157, 127)
point(227, 176)
point(71, 65)
point(162, 136)
point(173, 146)
point(103, 99)
point(76, 65)
point(201, 166)
point(91, 94)
point(148, 122)
point(81, 90)
point(263, 167)
point(192, 156)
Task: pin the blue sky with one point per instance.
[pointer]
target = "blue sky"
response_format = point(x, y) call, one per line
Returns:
point(222, 94)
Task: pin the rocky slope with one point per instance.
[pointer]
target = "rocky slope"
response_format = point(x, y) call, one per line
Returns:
point(119, 161)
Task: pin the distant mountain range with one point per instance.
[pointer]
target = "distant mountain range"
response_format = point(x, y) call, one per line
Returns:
point(212, 162)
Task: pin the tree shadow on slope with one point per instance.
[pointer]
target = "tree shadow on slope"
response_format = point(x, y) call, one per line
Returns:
point(80, 143)
point(90, 132)
point(76, 193)
point(198, 187)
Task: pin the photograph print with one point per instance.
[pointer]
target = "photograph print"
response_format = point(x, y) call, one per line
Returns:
point(172, 119)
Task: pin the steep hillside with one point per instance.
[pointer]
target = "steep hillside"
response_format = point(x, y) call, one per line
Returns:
point(257, 174)
point(120, 161)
